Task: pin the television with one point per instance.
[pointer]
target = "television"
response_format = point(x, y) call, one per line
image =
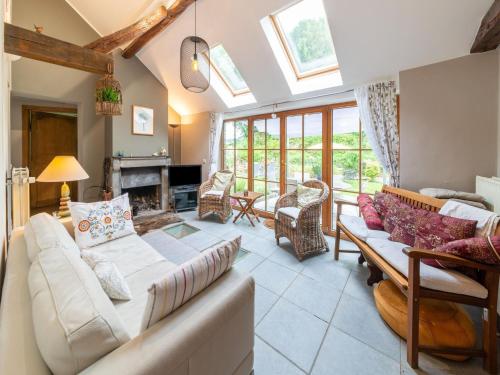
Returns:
point(182, 175)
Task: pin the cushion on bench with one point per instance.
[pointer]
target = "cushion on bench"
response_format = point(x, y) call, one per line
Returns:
point(357, 226)
point(431, 278)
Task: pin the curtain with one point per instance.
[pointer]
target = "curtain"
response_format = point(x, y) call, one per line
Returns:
point(216, 122)
point(378, 112)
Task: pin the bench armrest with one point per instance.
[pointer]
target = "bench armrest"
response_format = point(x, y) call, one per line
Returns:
point(341, 202)
point(429, 254)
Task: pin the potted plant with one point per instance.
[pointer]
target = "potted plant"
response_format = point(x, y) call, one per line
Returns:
point(108, 96)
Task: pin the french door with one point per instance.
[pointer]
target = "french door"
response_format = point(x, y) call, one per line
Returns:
point(271, 154)
point(266, 171)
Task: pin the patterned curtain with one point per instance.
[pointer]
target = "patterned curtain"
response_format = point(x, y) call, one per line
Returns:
point(216, 121)
point(378, 112)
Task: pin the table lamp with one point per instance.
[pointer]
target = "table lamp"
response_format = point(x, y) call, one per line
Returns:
point(63, 169)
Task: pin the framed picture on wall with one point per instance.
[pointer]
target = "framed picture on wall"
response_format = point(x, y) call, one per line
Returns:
point(142, 120)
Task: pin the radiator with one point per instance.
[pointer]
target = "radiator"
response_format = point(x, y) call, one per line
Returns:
point(21, 196)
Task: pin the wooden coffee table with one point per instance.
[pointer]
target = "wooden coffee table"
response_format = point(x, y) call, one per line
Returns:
point(246, 203)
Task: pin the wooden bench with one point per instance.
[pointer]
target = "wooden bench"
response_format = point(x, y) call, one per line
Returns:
point(410, 286)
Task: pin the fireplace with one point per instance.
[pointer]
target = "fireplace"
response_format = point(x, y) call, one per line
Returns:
point(145, 181)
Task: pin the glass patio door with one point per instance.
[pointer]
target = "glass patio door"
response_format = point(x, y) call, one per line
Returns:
point(266, 138)
point(303, 148)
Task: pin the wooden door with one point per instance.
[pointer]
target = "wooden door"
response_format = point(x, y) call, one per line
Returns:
point(48, 133)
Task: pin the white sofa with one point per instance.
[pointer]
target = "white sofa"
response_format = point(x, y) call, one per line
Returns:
point(212, 334)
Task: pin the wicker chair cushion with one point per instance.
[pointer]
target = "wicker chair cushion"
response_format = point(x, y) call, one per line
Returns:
point(213, 194)
point(221, 180)
point(306, 195)
point(292, 212)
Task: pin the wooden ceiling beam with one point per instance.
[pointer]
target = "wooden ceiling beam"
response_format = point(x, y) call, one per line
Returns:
point(33, 45)
point(108, 43)
point(172, 13)
point(488, 35)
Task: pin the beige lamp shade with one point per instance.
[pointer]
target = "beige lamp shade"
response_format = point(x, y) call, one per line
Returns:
point(63, 169)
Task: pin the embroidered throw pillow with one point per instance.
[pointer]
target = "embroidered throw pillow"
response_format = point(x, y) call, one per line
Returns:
point(221, 180)
point(369, 213)
point(383, 202)
point(100, 222)
point(187, 280)
point(306, 195)
point(110, 278)
point(434, 230)
point(479, 249)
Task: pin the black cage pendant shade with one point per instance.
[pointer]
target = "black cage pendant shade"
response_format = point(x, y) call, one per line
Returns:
point(195, 62)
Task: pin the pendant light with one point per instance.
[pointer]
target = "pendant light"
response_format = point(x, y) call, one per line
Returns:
point(195, 62)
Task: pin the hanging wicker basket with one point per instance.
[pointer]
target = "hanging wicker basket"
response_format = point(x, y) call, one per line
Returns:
point(108, 96)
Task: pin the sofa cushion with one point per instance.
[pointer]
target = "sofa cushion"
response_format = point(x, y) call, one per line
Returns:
point(112, 281)
point(100, 222)
point(43, 231)
point(187, 280)
point(74, 321)
point(430, 277)
point(357, 226)
point(130, 254)
point(479, 249)
point(369, 213)
point(434, 230)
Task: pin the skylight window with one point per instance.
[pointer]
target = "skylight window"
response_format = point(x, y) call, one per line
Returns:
point(227, 71)
point(304, 33)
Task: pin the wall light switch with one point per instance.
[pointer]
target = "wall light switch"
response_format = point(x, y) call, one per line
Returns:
point(204, 161)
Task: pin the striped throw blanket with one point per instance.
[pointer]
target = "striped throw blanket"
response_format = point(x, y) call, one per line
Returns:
point(187, 280)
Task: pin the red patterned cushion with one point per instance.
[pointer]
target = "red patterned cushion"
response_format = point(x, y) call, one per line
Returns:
point(399, 214)
point(478, 249)
point(369, 213)
point(402, 219)
point(400, 234)
point(383, 203)
point(434, 230)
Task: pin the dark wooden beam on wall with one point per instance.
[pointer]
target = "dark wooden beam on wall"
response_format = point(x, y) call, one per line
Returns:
point(172, 13)
point(108, 43)
point(488, 35)
point(33, 45)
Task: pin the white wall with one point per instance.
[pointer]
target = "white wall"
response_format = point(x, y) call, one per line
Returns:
point(195, 140)
point(449, 122)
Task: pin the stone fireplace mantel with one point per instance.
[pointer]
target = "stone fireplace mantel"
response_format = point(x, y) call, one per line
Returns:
point(145, 170)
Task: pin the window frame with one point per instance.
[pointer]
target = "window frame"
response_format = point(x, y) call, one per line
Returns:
point(278, 29)
point(233, 92)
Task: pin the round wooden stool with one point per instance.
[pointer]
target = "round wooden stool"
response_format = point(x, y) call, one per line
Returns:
point(441, 323)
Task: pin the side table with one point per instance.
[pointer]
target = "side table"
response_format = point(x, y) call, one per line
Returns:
point(246, 203)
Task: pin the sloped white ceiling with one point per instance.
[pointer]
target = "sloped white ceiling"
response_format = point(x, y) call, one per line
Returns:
point(373, 40)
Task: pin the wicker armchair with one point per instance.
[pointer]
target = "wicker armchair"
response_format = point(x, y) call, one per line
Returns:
point(220, 206)
point(304, 232)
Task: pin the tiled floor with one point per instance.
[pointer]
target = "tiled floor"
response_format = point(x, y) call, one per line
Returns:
point(317, 316)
